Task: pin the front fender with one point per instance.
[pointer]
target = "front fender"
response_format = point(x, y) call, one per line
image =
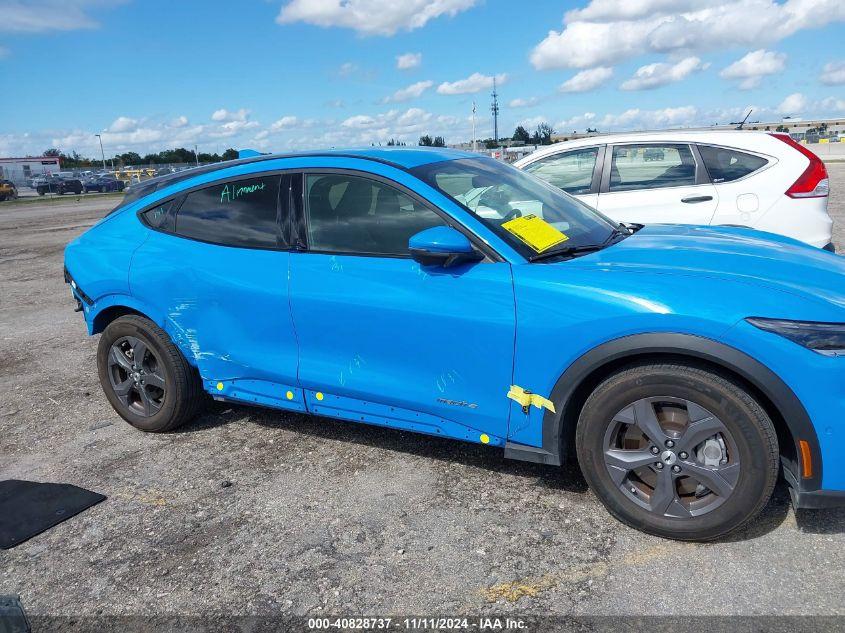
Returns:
point(555, 425)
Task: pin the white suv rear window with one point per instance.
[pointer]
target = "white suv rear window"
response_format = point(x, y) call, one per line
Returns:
point(725, 164)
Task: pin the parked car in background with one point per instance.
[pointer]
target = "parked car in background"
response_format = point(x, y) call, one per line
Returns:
point(756, 179)
point(103, 184)
point(686, 365)
point(59, 186)
point(8, 191)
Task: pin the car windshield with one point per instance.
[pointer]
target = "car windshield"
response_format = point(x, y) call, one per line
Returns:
point(529, 214)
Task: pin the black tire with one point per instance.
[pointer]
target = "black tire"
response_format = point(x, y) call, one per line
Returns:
point(753, 438)
point(183, 396)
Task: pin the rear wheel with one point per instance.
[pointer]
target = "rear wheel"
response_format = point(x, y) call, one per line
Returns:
point(677, 451)
point(145, 377)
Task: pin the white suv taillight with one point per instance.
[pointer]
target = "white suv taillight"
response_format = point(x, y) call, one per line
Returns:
point(813, 183)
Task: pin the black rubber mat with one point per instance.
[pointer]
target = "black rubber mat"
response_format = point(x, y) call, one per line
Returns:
point(12, 616)
point(28, 508)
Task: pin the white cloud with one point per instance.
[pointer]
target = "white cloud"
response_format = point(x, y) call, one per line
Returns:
point(833, 73)
point(408, 61)
point(346, 69)
point(41, 16)
point(587, 80)
point(751, 69)
point(634, 119)
point(123, 124)
point(522, 103)
point(413, 91)
point(794, 104)
point(832, 104)
point(661, 74)
point(285, 123)
point(610, 31)
point(179, 121)
point(226, 115)
point(476, 82)
point(370, 17)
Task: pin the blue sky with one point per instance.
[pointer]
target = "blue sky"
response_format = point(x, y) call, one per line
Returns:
point(288, 74)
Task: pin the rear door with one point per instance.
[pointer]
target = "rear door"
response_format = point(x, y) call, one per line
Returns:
point(215, 270)
point(656, 183)
point(576, 171)
point(383, 339)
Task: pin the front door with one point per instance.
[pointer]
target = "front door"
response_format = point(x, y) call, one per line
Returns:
point(384, 340)
point(577, 172)
point(656, 183)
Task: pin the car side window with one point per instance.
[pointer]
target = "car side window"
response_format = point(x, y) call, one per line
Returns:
point(351, 214)
point(651, 166)
point(162, 217)
point(571, 171)
point(725, 164)
point(242, 213)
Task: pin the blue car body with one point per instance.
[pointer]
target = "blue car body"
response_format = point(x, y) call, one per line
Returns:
point(439, 348)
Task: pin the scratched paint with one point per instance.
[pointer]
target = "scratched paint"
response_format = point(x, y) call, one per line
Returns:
point(354, 365)
point(447, 379)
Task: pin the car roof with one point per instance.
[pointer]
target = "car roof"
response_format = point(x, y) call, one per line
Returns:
point(400, 157)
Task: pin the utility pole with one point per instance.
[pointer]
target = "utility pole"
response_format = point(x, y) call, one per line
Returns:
point(102, 153)
point(474, 146)
point(495, 110)
point(196, 156)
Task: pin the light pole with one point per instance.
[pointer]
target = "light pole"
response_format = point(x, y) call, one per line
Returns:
point(473, 127)
point(102, 153)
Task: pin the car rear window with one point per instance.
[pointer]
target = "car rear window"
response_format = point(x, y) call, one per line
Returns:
point(725, 164)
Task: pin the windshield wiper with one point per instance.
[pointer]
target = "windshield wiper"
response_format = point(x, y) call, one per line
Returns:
point(585, 248)
point(566, 250)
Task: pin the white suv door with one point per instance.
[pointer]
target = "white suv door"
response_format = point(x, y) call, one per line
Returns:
point(577, 172)
point(653, 183)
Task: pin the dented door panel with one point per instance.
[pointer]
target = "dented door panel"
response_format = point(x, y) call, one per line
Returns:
point(227, 310)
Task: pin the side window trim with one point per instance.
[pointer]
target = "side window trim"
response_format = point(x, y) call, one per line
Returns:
point(701, 177)
point(300, 222)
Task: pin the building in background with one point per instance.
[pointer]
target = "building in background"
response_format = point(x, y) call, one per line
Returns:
point(19, 170)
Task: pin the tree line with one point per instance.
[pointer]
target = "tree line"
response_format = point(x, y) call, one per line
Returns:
point(165, 157)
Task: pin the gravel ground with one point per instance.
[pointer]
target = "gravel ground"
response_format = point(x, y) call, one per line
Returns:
point(329, 517)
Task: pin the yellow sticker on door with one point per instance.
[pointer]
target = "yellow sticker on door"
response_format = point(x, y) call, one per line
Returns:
point(535, 231)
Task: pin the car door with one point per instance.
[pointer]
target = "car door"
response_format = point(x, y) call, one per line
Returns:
point(214, 270)
point(656, 183)
point(383, 339)
point(576, 171)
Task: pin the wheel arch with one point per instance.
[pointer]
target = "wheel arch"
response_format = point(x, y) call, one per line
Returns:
point(788, 415)
point(105, 316)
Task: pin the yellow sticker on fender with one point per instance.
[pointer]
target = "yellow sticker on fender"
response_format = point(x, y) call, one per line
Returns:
point(535, 231)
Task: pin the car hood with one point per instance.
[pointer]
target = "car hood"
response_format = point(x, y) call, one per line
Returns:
point(729, 254)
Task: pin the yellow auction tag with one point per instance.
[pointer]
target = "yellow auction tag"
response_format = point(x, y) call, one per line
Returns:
point(535, 231)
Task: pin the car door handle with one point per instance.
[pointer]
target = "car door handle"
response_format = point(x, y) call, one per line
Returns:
point(697, 199)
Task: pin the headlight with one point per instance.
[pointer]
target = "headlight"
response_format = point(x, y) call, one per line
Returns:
point(824, 338)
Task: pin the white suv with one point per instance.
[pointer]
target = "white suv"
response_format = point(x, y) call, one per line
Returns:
point(756, 179)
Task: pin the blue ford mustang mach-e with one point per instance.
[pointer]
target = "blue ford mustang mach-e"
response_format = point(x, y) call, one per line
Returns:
point(449, 294)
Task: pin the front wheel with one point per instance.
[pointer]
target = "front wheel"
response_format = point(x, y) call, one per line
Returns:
point(145, 377)
point(677, 450)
